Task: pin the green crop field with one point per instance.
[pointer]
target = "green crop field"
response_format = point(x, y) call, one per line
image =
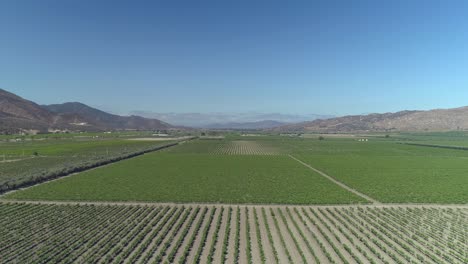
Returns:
point(245, 199)
point(259, 170)
point(95, 233)
point(391, 172)
point(179, 177)
point(26, 161)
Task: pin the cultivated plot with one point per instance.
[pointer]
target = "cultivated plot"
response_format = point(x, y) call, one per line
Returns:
point(23, 163)
point(391, 172)
point(177, 177)
point(246, 147)
point(99, 233)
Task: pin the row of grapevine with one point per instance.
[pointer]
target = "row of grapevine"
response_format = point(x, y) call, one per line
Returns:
point(245, 147)
point(72, 233)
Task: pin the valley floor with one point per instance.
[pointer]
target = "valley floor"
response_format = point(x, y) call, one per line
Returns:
point(262, 200)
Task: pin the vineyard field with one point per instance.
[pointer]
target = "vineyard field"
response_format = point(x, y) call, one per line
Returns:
point(177, 177)
point(246, 147)
point(233, 146)
point(29, 161)
point(203, 233)
point(390, 172)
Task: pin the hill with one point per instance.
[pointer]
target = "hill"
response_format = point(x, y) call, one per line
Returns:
point(431, 120)
point(18, 114)
point(80, 114)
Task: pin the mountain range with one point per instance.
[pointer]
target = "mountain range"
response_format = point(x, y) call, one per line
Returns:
point(243, 120)
point(431, 120)
point(18, 114)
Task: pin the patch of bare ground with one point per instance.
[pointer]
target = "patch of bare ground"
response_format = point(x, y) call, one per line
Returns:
point(198, 239)
point(243, 238)
point(221, 237)
point(178, 239)
point(301, 244)
point(403, 238)
point(183, 246)
point(266, 245)
point(209, 238)
point(350, 246)
point(375, 233)
point(231, 249)
point(330, 236)
point(362, 239)
point(281, 251)
point(313, 230)
point(294, 251)
point(255, 247)
point(309, 237)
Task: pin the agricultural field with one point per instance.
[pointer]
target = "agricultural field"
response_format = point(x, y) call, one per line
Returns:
point(178, 177)
point(138, 233)
point(274, 170)
point(391, 172)
point(29, 161)
point(246, 147)
point(263, 199)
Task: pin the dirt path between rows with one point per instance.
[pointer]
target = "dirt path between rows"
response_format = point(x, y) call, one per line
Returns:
point(221, 237)
point(342, 185)
point(256, 256)
point(209, 238)
point(267, 247)
point(130, 203)
point(282, 255)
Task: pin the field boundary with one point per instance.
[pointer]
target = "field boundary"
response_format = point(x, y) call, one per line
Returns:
point(250, 205)
point(342, 185)
point(435, 146)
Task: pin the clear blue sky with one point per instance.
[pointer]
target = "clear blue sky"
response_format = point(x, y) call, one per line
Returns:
point(325, 57)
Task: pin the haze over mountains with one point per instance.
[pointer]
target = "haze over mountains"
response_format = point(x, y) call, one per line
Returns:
point(247, 120)
point(265, 124)
point(18, 114)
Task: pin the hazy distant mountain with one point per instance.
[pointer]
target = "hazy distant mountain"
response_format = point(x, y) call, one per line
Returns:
point(17, 114)
point(208, 119)
point(432, 120)
point(247, 125)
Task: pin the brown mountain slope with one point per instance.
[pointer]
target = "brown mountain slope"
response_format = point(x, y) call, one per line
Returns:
point(432, 120)
point(18, 114)
point(74, 113)
point(15, 106)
